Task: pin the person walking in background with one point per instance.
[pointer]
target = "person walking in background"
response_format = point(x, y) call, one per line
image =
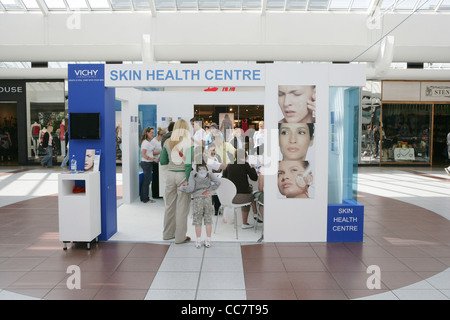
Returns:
point(47, 144)
point(200, 185)
point(65, 162)
point(156, 150)
point(448, 154)
point(376, 141)
point(163, 169)
point(177, 156)
point(146, 163)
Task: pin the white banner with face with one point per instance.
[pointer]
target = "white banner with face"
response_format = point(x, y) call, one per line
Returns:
point(295, 181)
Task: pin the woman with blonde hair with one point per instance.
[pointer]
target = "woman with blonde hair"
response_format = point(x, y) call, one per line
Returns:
point(177, 155)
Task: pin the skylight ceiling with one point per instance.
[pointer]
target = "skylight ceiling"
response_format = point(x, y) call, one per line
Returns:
point(180, 5)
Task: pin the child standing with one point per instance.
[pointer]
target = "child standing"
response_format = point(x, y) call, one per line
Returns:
point(200, 184)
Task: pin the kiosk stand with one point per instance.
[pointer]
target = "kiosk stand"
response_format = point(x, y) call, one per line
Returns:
point(79, 213)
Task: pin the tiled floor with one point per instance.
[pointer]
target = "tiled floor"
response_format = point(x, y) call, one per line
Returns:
point(406, 234)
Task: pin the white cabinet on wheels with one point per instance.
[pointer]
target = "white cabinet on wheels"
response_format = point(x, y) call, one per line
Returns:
point(79, 213)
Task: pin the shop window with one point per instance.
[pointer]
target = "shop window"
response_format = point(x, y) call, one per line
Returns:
point(46, 107)
point(405, 133)
point(370, 117)
point(8, 133)
point(440, 130)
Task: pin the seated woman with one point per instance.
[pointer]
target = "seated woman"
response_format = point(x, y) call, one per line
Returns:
point(239, 172)
point(294, 178)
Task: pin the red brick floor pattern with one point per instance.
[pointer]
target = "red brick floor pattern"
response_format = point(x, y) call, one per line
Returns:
point(409, 244)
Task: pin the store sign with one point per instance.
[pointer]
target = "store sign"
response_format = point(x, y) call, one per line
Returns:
point(216, 89)
point(437, 91)
point(345, 222)
point(184, 75)
point(404, 154)
point(12, 89)
point(85, 73)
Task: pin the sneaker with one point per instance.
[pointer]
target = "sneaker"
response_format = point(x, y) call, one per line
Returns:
point(247, 226)
point(198, 244)
point(207, 243)
point(448, 171)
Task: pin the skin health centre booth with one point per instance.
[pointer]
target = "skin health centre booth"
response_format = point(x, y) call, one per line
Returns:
point(309, 185)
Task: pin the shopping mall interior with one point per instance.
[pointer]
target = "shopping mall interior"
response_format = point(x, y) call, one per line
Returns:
point(399, 137)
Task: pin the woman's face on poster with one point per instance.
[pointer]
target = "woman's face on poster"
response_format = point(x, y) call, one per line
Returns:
point(293, 101)
point(290, 179)
point(294, 139)
point(89, 160)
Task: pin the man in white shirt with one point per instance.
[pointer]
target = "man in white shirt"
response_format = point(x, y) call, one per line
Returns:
point(258, 139)
point(213, 132)
point(199, 137)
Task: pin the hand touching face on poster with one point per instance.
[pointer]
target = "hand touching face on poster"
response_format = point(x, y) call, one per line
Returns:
point(297, 103)
point(294, 179)
point(295, 139)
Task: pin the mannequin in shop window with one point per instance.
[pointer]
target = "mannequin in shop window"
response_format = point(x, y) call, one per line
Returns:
point(226, 126)
point(35, 129)
point(62, 131)
point(244, 125)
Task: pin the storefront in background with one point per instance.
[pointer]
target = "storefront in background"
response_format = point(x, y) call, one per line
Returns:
point(27, 108)
point(414, 122)
point(12, 122)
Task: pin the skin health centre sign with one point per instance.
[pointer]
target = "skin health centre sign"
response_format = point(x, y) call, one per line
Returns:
point(186, 75)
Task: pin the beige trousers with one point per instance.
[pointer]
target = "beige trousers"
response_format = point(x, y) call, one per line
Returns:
point(177, 207)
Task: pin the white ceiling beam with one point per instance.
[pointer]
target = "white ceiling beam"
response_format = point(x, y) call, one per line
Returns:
point(263, 7)
point(374, 8)
point(43, 7)
point(152, 7)
point(438, 5)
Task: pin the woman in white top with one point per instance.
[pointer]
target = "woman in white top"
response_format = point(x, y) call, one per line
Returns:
point(146, 163)
point(258, 139)
point(156, 152)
